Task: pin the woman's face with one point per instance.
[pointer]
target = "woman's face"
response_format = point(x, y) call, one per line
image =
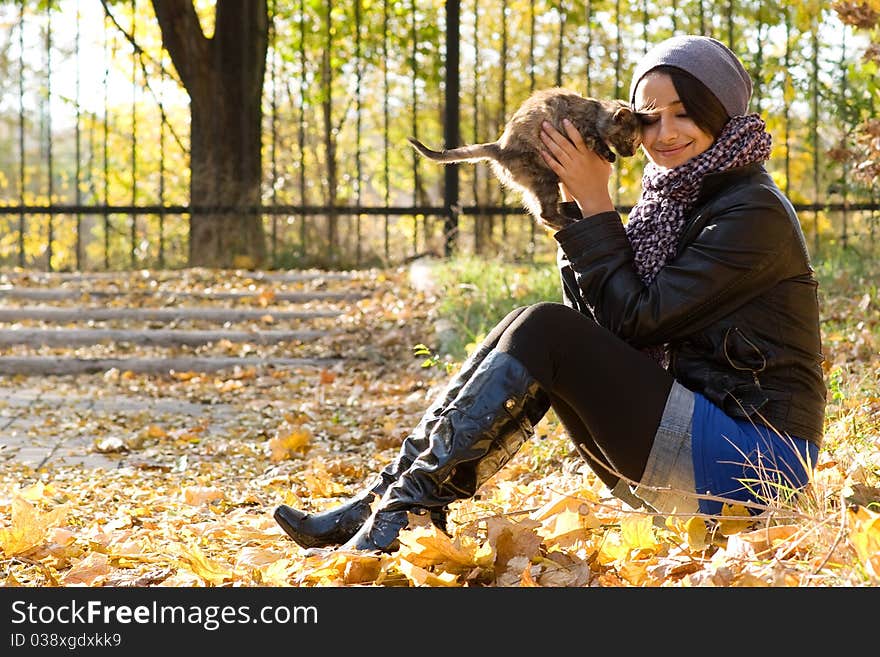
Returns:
point(669, 137)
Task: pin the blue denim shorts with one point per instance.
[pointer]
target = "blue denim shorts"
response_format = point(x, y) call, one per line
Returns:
point(700, 451)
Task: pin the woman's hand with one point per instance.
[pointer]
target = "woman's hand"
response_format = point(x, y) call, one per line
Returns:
point(583, 174)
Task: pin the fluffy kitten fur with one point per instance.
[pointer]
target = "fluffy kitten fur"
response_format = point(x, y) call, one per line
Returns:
point(516, 159)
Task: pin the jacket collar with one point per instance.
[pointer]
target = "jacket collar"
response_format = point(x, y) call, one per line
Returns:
point(717, 181)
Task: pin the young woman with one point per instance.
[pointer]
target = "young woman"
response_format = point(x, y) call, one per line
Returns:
point(686, 360)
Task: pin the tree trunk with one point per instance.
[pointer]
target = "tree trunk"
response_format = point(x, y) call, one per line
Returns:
point(223, 76)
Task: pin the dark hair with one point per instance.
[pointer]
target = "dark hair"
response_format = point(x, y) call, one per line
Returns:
point(703, 108)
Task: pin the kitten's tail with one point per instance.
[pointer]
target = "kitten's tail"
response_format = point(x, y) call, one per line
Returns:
point(473, 153)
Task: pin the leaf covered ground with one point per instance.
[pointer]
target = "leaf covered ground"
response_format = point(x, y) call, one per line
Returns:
point(187, 500)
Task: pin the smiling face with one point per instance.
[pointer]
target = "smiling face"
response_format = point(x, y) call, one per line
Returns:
point(669, 136)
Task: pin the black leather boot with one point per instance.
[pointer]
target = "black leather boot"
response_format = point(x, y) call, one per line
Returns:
point(339, 524)
point(476, 434)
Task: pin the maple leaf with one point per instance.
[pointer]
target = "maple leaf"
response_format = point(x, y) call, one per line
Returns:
point(565, 528)
point(424, 577)
point(276, 573)
point(766, 540)
point(29, 526)
point(288, 441)
point(155, 431)
point(208, 569)
point(427, 546)
point(198, 495)
point(90, 571)
point(734, 519)
point(697, 534)
point(637, 532)
point(612, 549)
point(634, 571)
point(511, 539)
point(865, 537)
point(526, 580)
point(265, 298)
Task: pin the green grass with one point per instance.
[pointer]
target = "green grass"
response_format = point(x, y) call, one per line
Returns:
point(477, 293)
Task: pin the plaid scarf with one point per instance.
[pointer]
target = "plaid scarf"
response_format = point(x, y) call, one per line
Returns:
point(655, 223)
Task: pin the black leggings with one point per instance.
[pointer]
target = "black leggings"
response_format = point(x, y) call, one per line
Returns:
point(609, 396)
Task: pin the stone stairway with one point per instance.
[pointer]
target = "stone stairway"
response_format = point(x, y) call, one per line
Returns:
point(164, 321)
point(69, 340)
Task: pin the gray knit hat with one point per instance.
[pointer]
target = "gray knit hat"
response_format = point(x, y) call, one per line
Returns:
point(709, 61)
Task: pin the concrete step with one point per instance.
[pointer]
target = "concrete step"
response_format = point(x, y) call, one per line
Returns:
point(183, 313)
point(81, 294)
point(58, 365)
point(73, 337)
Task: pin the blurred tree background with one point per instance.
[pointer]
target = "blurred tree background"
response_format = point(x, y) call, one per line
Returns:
point(123, 121)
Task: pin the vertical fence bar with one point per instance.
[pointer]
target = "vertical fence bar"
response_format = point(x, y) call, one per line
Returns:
point(844, 183)
point(532, 224)
point(415, 122)
point(478, 218)
point(134, 179)
point(618, 91)
point(89, 180)
point(786, 105)
point(358, 99)
point(385, 125)
point(49, 161)
point(730, 43)
point(301, 132)
point(759, 62)
point(560, 47)
point(873, 219)
point(502, 118)
point(531, 46)
point(814, 128)
point(451, 121)
point(163, 81)
point(329, 137)
point(273, 83)
point(589, 47)
point(618, 49)
point(106, 145)
point(22, 178)
point(77, 193)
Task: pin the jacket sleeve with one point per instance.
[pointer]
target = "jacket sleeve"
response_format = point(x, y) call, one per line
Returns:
point(741, 250)
point(571, 295)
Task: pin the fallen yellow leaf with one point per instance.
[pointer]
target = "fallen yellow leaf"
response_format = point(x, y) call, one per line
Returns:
point(734, 519)
point(206, 568)
point(155, 431)
point(865, 536)
point(29, 526)
point(276, 573)
point(197, 495)
point(89, 571)
point(697, 534)
point(287, 442)
point(423, 577)
point(637, 532)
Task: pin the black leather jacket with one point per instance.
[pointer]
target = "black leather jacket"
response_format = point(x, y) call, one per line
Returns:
point(737, 305)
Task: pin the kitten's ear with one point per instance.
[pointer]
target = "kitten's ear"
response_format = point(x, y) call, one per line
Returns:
point(622, 114)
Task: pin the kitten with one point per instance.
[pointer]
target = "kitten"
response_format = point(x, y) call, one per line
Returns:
point(516, 159)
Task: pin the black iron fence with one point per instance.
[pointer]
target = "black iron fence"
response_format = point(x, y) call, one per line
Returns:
point(94, 123)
